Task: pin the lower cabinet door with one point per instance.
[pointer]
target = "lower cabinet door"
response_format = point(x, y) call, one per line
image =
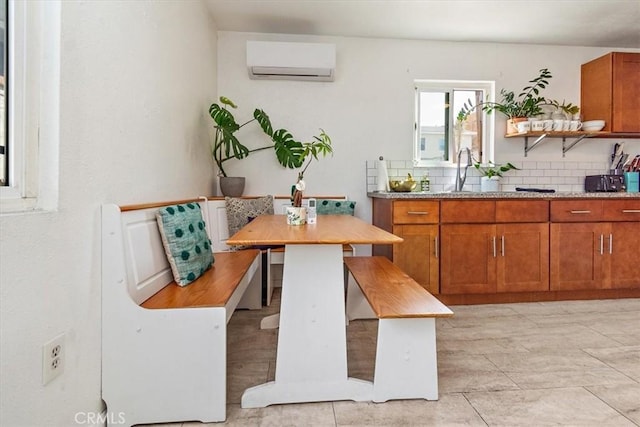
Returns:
point(523, 257)
point(468, 258)
point(417, 255)
point(577, 256)
point(622, 246)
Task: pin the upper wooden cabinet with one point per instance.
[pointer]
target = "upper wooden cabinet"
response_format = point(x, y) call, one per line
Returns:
point(610, 91)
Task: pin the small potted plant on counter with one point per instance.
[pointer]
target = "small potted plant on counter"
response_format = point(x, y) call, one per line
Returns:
point(491, 174)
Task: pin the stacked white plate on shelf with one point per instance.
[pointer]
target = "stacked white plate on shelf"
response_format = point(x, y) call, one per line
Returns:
point(593, 125)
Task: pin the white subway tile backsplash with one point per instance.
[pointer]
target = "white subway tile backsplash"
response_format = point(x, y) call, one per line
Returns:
point(543, 180)
point(396, 164)
point(560, 176)
point(543, 165)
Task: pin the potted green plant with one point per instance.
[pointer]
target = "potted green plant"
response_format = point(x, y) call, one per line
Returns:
point(491, 174)
point(528, 103)
point(570, 110)
point(226, 145)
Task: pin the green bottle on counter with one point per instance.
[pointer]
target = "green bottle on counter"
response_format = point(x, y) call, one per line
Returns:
point(424, 182)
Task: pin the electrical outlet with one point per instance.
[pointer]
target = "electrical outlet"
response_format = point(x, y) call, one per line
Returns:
point(53, 355)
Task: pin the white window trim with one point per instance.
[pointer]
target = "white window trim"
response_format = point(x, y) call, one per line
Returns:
point(34, 106)
point(488, 136)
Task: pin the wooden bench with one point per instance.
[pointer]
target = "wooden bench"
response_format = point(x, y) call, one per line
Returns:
point(164, 347)
point(406, 360)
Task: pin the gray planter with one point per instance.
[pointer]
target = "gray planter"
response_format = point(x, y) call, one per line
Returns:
point(232, 186)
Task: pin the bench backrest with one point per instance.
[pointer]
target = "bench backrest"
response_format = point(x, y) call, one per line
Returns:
point(146, 263)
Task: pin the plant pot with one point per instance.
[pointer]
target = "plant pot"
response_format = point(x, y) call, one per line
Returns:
point(512, 124)
point(232, 186)
point(296, 216)
point(490, 184)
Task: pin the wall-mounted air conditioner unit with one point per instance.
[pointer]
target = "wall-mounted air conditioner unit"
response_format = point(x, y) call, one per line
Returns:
point(291, 61)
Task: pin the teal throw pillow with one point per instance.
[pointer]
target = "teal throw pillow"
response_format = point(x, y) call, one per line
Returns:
point(335, 207)
point(185, 241)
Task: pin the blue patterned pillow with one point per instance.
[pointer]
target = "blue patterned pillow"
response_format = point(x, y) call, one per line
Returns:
point(335, 207)
point(185, 241)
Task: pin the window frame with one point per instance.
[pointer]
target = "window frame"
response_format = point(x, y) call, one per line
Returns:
point(32, 88)
point(488, 130)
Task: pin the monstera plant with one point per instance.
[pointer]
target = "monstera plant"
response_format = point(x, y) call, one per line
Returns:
point(290, 152)
point(226, 145)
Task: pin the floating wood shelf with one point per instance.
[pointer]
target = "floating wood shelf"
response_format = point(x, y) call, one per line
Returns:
point(566, 146)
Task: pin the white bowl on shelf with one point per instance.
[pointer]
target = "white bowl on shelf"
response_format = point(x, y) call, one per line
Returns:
point(593, 125)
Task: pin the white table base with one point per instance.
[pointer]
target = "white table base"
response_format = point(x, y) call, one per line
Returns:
point(311, 362)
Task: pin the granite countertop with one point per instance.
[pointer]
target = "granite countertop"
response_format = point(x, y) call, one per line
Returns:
point(500, 195)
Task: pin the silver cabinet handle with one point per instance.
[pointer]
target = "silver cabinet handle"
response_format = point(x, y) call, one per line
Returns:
point(417, 213)
point(580, 212)
point(610, 243)
point(494, 246)
point(630, 210)
point(435, 246)
point(502, 244)
point(601, 244)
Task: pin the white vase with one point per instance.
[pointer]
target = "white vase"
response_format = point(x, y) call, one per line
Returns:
point(490, 184)
point(296, 216)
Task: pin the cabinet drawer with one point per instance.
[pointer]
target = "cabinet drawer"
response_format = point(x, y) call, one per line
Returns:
point(468, 211)
point(522, 211)
point(621, 210)
point(576, 210)
point(416, 212)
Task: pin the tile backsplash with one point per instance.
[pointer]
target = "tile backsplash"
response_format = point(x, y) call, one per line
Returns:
point(559, 176)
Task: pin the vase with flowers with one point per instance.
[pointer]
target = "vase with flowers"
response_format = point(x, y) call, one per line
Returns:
point(319, 147)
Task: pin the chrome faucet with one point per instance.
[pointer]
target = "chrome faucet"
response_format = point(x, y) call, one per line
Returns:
point(462, 177)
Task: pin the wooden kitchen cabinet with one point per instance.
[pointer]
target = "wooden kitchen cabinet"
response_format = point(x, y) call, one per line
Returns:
point(492, 250)
point(508, 253)
point(601, 252)
point(417, 255)
point(416, 221)
point(610, 91)
point(468, 261)
point(523, 258)
point(624, 255)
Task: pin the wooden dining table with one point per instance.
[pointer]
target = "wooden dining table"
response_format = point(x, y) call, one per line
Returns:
point(311, 360)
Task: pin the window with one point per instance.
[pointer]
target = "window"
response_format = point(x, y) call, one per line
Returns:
point(31, 50)
point(438, 137)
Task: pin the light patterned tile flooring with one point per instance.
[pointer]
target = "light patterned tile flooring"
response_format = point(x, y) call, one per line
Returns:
point(569, 363)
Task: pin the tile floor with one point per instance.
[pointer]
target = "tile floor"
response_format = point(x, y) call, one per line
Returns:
point(571, 363)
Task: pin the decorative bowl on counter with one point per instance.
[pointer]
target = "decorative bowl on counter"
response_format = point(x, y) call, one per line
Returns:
point(593, 125)
point(402, 186)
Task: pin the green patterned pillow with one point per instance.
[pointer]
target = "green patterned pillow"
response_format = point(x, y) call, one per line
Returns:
point(185, 241)
point(335, 207)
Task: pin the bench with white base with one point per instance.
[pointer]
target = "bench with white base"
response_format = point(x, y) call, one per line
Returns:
point(164, 347)
point(406, 361)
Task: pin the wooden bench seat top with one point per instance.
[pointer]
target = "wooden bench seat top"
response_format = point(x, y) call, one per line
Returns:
point(391, 292)
point(213, 289)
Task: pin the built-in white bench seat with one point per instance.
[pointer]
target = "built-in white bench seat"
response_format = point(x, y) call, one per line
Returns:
point(164, 346)
point(406, 361)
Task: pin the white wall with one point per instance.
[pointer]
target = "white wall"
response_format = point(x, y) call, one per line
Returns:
point(368, 110)
point(137, 81)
